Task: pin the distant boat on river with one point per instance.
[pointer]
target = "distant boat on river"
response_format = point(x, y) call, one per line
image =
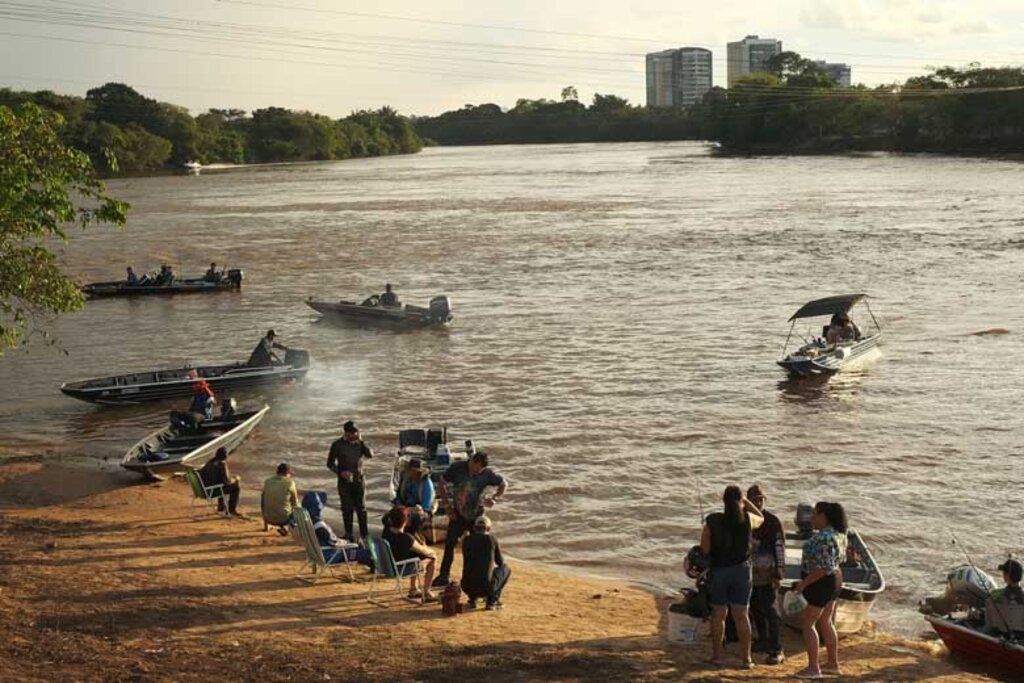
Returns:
point(826, 355)
point(230, 281)
point(437, 313)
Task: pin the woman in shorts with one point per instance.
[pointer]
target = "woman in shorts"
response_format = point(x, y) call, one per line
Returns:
point(822, 579)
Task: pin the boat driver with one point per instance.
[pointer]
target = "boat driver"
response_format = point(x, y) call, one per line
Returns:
point(389, 298)
point(842, 329)
point(263, 355)
point(212, 275)
point(132, 279)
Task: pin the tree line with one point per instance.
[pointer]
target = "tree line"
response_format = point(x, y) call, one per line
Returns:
point(793, 108)
point(123, 131)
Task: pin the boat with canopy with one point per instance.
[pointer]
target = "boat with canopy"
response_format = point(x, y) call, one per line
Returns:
point(842, 343)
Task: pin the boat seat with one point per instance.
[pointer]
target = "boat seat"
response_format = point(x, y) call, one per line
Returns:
point(412, 437)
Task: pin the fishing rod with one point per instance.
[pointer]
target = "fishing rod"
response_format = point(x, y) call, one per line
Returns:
point(995, 603)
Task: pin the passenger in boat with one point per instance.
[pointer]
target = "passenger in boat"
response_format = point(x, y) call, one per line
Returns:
point(484, 572)
point(822, 578)
point(842, 329)
point(212, 274)
point(215, 472)
point(769, 566)
point(132, 279)
point(726, 539)
point(279, 499)
point(1004, 608)
point(405, 547)
point(462, 488)
point(331, 546)
point(165, 278)
point(203, 401)
point(263, 355)
point(389, 298)
point(345, 459)
point(416, 494)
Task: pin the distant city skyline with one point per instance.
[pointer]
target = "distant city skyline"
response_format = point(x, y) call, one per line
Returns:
point(321, 56)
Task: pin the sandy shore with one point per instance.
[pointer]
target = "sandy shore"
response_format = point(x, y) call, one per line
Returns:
point(104, 578)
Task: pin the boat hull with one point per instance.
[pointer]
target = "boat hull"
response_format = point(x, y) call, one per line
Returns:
point(162, 385)
point(404, 317)
point(232, 282)
point(968, 643)
point(798, 367)
point(230, 438)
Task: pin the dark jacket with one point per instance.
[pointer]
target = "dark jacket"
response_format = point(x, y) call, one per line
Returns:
point(480, 554)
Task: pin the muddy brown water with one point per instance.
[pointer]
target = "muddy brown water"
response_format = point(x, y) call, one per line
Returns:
point(619, 309)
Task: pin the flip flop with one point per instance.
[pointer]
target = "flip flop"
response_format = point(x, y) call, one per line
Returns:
point(808, 675)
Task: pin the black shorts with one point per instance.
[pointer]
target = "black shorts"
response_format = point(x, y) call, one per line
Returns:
point(821, 592)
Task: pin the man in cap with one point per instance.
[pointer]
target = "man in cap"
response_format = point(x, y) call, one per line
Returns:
point(279, 499)
point(263, 354)
point(1013, 572)
point(462, 488)
point(768, 558)
point(345, 459)
point(484, 572)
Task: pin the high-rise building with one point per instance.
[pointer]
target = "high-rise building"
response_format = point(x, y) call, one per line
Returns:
point(678, 78)
point(837, 71)
point(750, 56)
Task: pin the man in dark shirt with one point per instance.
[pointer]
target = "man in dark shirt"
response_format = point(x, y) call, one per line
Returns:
point(263, 354)
point(769, 565)
point(133, 279)
point(389, 298)
point(404, 546)
point(484, 572)
point(346, 460)
point(211, 274)
point(462, 486)
point(215, 472)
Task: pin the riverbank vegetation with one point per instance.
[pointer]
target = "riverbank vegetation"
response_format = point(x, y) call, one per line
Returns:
point(124, 131)
point(796, 108)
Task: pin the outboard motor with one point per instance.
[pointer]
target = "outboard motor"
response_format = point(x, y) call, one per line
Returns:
point(235, 277)
point(228, 409)
point(804, 520)
point(441, 309)
point(297, 358)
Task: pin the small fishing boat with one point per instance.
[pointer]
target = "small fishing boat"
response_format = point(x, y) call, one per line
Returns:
point(819, 357)
point(159, 385)
point(862, 580)
point(230, 282)
point(967, 639)
point(437, 313)
point(168, 450)
point(431, 448)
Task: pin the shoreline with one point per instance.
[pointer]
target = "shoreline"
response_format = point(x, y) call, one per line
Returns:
point(104, 578)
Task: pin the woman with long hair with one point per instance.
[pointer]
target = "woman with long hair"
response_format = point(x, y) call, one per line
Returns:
point(822, 579)
point(726, 540)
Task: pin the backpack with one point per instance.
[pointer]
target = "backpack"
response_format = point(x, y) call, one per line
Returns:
point(451, 600)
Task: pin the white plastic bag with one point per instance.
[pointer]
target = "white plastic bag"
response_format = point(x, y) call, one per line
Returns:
point(793, 603)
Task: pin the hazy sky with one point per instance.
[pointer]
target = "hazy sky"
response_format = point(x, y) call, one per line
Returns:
point(427, 57)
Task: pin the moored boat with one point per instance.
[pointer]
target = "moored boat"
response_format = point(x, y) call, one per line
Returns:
point(966, 639)
point(169, 450)
point(231, 281)
point(159, 385)
point(437, 313)
point(862, 581)
point(821, 357)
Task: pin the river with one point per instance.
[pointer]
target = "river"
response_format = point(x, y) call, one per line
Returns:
point(619, 309)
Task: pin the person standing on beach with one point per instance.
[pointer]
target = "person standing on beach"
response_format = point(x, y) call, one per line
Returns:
point(726, 539)
point(822, 554)
point(769, 560)
point(462, 487)
point(345, 459)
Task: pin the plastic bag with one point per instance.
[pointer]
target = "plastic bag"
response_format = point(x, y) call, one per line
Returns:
point(793, 603)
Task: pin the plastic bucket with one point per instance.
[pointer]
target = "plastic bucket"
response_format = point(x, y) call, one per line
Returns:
point(682, 628)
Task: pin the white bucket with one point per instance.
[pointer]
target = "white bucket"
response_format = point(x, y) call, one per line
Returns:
point(682, 628)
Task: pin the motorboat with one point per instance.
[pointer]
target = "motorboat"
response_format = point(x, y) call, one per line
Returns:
point(370, 311)
point(230, 281)
point(820, 357)
point(170, 450)
point(862, 578)
point(430, 446)
point(159, 385)
point(974, 624)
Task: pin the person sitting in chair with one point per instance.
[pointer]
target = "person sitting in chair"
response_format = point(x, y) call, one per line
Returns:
point(215, 472)
point(389, 298)
point(405, 547)
point(331, 546)
point(416, 495)
point(484, 572)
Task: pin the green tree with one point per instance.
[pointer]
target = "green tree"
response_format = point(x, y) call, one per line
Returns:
point(570, 94)
point(44, 186)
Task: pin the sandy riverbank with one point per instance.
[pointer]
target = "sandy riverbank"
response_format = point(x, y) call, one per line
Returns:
point(103, 578)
